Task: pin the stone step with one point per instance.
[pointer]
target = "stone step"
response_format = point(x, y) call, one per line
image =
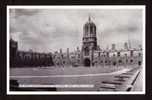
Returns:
point(112, 82)
point(122, 76)
point(107, 87)
point(127, 73)
point(120, 80)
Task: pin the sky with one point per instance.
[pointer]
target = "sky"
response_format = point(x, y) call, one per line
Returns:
point(48, 30)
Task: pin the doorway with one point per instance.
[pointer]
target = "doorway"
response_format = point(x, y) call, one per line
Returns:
point(87, 62)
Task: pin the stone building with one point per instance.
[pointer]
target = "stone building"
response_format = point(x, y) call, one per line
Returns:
point(13, 52)
point(28, 58)
point(89, 42)
point(68, 58)
point(91, 54)
point(118, 57)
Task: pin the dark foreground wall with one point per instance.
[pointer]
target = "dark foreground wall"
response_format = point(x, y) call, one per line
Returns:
point(28, 58)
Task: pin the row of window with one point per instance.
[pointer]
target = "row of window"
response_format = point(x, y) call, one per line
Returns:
point(118, 54)
point(119, 61)
point(91, 29)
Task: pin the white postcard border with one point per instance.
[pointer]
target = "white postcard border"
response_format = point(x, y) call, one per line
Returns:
point(143, 7)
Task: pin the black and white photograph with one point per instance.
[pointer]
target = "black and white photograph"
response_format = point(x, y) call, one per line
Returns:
point(76, 49)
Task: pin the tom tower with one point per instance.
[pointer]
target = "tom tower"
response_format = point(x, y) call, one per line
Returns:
point(89, 42)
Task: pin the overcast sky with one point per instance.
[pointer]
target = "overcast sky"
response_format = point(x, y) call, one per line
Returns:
point(46, 30)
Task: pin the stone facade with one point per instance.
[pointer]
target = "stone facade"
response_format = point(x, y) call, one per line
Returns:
point(110, 57)
point(89, 42)
point(91, 54)
point(68, 58)
point(28, 58)
point(118, 57)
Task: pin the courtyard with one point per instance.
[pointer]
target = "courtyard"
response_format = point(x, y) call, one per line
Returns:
point(96, 77)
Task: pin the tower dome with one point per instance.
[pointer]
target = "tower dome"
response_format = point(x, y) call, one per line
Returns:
point(89, 27)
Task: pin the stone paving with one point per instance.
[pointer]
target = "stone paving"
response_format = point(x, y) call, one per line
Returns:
point(122, 80)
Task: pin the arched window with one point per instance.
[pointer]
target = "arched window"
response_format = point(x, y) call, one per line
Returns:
point(94, 29)
point(114, 63)
point(120, 61)
point(131, 53)
point(139, 54)
point(86, 51)
point(99, 54)
point(91, 29)
point(118, 54)
point(125, 55)
point(86, 29)
point(139, 63)
point(107, 54)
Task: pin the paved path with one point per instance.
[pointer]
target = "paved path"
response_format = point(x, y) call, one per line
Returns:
point(83, 75)
point(113, 81)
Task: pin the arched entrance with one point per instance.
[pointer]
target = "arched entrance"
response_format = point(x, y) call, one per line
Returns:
point(86, 62)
